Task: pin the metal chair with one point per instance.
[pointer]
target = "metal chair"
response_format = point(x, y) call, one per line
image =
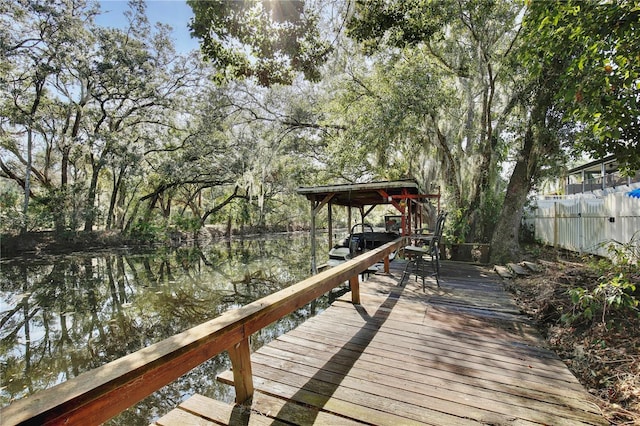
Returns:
point(428, 250)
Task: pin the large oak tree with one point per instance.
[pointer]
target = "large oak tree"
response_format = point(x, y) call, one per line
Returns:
point(454, 55)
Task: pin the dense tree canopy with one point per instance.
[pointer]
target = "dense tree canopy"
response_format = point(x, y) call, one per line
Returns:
point(453, 58)
point(266, 39)
point(597, 44)
point(89, 101)
point(112, 128)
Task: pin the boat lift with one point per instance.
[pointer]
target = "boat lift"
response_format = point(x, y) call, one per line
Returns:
point(404, 195)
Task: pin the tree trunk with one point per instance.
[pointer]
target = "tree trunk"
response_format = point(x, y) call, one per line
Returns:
point(117, 183)
point(134, 213)
point(121, 209)
point(64, 217)
point(90, 214)
point(217, 208)
point(60, 217)
point(505, 245)
point(27, 181)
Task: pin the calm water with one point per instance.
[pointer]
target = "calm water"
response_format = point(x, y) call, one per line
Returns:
point(63, 315)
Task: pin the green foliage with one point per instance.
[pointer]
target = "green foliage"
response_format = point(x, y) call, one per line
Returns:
point(399, 23)
point(11, 217)
point(97, 107)
point(436, 99)
point(147, 232)
point(39, 217)
point(41, 214)
point(387, 117)
point(616, 291)
point(626, 253)
point(187, 223)
point(617, 294)
point(269, 40)
point(596, 45)
point(490, 208)
point(457, 226)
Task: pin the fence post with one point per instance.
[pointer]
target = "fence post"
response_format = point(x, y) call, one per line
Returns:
point(555, 224)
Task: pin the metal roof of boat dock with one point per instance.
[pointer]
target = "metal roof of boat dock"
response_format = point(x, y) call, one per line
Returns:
point(364, 194)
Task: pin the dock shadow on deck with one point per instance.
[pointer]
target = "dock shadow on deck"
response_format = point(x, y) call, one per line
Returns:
point(455, 355)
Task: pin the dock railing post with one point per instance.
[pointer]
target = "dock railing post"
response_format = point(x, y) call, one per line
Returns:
point(241, 365)
point(354, 283)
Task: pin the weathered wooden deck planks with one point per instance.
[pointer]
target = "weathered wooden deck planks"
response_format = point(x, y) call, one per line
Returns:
point(456, 355)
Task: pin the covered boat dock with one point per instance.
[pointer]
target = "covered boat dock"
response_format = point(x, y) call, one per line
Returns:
point(404, 195)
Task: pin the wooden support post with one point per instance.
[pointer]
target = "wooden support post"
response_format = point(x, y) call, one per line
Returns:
point(314, 265)
point(386, 264)
point(366, 213)
point(354, 283)
point(241, 362)
point(330, 219)
point(315, 209)
point(410, 210)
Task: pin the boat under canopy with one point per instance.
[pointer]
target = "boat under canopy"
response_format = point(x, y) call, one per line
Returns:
point(404, 195)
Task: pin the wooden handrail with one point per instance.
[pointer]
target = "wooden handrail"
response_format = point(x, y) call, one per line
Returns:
point(95, 396)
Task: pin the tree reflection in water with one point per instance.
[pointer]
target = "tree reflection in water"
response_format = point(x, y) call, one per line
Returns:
point(63, 315)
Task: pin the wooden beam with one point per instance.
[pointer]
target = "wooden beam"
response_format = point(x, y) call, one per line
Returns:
point(391, 200)
point(315, 209)
point(240, 355)
point(409, 215)
point(408, 196)
point(320, 204)
point(314, 264)
point(367, 212)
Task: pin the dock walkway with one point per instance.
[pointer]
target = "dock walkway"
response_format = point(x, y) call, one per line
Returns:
point(461, 354)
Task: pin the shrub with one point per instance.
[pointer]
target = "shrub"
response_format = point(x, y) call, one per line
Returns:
point(626, 253)
point(615, 292)
point(147, 232)
point(613, 295)
point(186, 223)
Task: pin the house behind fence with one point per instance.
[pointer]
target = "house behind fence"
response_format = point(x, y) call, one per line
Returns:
point(587, 224)
point(588, 209)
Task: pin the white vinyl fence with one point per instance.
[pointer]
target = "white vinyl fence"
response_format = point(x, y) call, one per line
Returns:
point(587, 225)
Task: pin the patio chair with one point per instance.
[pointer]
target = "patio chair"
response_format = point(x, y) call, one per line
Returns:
point(426, 249)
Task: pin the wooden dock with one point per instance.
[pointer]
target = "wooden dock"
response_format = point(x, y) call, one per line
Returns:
point(456, 355)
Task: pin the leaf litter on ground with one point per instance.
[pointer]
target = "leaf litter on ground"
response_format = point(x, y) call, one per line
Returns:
point(604, 356)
